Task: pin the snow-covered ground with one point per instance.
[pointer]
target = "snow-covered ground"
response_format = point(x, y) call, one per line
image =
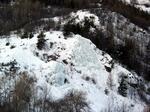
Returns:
point(70, 63)
point(77, 60)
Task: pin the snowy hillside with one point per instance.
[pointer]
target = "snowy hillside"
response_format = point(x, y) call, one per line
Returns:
point(69, 63)
point(67, 60)
point(142, 4)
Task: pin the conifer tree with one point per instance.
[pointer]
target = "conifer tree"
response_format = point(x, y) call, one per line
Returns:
point(41, 41)
point(122, 89)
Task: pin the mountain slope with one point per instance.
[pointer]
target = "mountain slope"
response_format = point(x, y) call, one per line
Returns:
point(69, 63)
point(53, 70)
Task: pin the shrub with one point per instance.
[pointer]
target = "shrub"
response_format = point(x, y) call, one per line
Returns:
point(25, 35)
point(119, 108)
point(41, 41)
point(72, 102)
point(18, 99)
point(70, 26)
point(147, 109)
point(12, 47)
point(31, 35)
point(22, 93)
point(78, 28)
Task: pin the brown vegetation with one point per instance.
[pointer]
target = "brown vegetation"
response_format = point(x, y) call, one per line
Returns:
point(18, 100)
point(72, 102)
point(23, 98)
